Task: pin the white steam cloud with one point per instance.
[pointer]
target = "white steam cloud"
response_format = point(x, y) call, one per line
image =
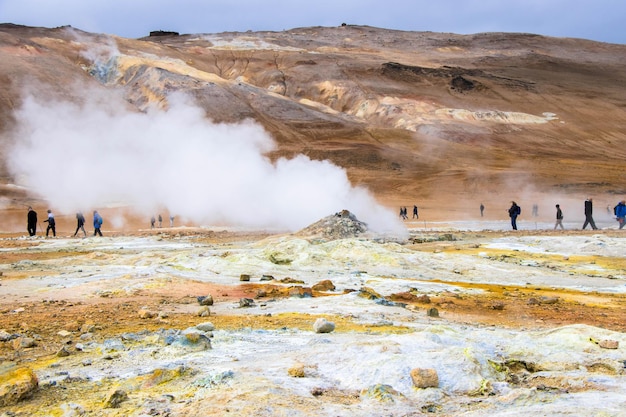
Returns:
point(100, 152)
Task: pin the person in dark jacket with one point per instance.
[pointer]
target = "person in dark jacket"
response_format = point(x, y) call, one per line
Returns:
point(80, 223)
point(97, 223)
point(51, 224)
point(559, 217)
point(620, 213)
point(31, 222)
point(514, 211)
point(589, 214)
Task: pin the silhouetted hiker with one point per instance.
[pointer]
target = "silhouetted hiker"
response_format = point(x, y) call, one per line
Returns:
point(415, 215)
point(171, 221)
point(589, 214)
point(620, 213)
point(31, 221)
point(51, 224)
point(482, 209)
point(160, 221)
point(559, 217)
point(97, 223)
point(152, 221)
point(80, 223)
point(514, 211)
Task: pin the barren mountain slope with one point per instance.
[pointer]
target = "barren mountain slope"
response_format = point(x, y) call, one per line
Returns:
point(410, 115)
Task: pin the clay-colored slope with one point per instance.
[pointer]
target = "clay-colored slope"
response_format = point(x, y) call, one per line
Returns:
point(410, 115)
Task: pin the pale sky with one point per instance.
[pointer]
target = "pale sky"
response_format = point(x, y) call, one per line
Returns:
point(600, 20)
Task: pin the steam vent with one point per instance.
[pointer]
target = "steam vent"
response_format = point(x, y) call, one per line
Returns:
point(341, 225)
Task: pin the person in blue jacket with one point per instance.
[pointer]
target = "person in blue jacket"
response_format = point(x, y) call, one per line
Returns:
point(97, 223)
point(514, 211)
point(620, 213)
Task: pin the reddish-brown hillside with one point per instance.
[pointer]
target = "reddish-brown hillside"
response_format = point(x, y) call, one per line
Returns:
point(413, 116)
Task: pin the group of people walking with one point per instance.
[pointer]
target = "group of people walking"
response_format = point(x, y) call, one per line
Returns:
point(619, 211)
point(31, 220)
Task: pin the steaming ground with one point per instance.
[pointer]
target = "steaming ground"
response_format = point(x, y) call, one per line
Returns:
point(520, 319)
point(92, 154)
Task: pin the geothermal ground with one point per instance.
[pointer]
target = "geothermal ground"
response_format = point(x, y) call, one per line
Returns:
point(526, 322)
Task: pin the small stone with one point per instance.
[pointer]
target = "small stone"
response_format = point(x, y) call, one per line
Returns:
point(63, 352)
point(267, 278)
point(425, 378)
point(115, 398)
point(246, 302)
point(146, 314)
point(204, 311)
point(296, 371)
point(432, 312)
point(244, 277)
point(64, 333)
point(325, 285)
point(321, 325)
point(205, 327)
point(609, 344)
point(205, 300)
point(24, 343)
point(5, 336)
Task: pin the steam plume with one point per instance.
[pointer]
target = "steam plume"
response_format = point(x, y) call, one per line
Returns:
point(101, 152)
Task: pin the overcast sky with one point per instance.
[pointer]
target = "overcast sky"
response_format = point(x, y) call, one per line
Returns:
point(601, 20)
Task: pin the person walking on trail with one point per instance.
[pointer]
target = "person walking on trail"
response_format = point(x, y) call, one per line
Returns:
point(51, 224)
point(160, 221)
point(514, 211)
point(31, 222)
point(482, 209)
point(152, 221)
point(80, 224)
point(620, 213)
point(559, 217)
point(415, 215)
point(589, 214)
point(97, 223)
point(171, 221)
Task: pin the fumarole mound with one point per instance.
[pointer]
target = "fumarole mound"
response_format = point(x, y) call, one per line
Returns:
point(341, 225)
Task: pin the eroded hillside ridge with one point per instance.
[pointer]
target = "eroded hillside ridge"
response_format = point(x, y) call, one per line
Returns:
point(416, 114)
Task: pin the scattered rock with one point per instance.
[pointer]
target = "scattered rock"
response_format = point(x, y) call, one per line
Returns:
point(267, 278)
point(244, 277)
point(296, 371)
point(609, 344)
point(381, 392)
point(425, 378)
point(246, 302)
point(205, 300)
point(63, 352)
point(301, 292)
point(432, 312)
point(5, 336)
point(16, 385)
point(194, 341)
point(498, 305)
point(289, 280)
point(205, 327)
point(115, 398)
point(321, 325)
point(146, 314)
point(325, 285)
point(204, 312)
point(23, 343)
